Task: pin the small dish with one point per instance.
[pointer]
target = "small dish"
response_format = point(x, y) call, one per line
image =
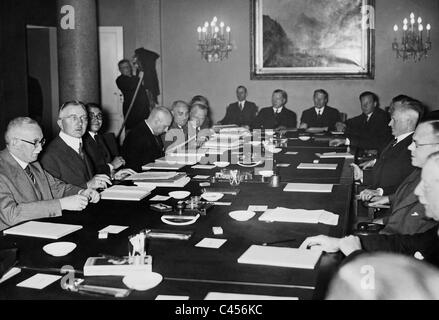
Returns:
point(142, 281)
point(304, 138)
point(242, 215)
point(212, 196)
point(179, 194)
point(59, 249)
point(221, 164)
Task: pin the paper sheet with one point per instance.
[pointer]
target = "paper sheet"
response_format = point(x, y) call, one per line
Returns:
point(159, 198)
point(318, 166)
point(211, 243)
point(113, 229)
point(201, 177)
point(257, 208)
point(169, 297)
point(39, 229)
point(204, 166)
point(308, 187)
point(39, 281)
point(283, 165)
point(281, 214)
point(291, 153)
point(327, 155)
point(152, 175)
point(14, 271)
point(240, 296)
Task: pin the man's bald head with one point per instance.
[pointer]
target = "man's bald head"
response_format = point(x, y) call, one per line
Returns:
point(159, 120)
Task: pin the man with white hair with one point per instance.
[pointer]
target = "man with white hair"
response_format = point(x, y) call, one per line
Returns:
point(26, 190)
point(143, 144)
point(178, 131)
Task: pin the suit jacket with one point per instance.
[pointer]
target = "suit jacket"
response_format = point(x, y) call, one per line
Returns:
point(244, 117)
point(174, 136)
point(267, 119)
point(372, 134)
point(101, 151)
point(20, 200)
point(392, 167)
point(407, 213)
point(64, 163)
point(141, 147)
point(140, 110)
point(426, 243)
point(328, 119)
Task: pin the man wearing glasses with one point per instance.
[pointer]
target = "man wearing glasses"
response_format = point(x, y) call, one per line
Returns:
point(65, 157)
point(26, 190)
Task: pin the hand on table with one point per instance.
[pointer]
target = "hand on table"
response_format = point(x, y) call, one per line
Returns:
point(350, 244)
point(368, 194)
point(123, 173)
point(321, 242)
point(92, 195)
point(74, 203)
point(379, 200)
point(99, 181)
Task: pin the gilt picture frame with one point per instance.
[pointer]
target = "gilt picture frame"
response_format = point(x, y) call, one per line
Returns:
point(312, 39)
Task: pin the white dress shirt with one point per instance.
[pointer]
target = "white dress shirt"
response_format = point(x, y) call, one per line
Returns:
point(72, 142)
point(319, 111)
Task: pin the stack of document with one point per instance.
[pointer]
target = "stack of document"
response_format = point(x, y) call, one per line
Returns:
point(281, 257)
point(326, 155)
point(127, 193)
point(160, 179)
point(318, 166)
point(46, 230)
point(165, 165)
point(281, 214)
point(308, 187)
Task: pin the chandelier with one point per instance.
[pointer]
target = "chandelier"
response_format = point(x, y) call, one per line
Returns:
point(412, 44)
point(213, 43)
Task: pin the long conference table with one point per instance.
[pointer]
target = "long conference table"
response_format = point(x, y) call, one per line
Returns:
point(192, 271)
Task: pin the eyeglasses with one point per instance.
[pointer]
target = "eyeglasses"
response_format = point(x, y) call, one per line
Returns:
point(75, 118)
point(41, 142)
point(94, 116)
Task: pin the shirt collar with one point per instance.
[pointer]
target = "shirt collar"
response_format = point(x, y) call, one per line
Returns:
point(93, 134)
point(369, 115)
point(20, 162)
point(403, 136)
point(319, 110)
point(277, 110)
point(72, 142)
point(152, 131)
point(241, 102)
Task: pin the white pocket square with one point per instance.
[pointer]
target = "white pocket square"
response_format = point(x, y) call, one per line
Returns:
point(415, 214)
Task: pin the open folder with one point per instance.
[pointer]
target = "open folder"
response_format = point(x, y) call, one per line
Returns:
point(281, 257)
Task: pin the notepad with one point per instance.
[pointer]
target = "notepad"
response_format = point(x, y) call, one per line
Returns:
point(39, 281)
point(160, 198)
point(308, 187)
point(46, 230)
point(318, 166)
point(241, 296)
point(211, 243)
point(113, 229)
point(125, 193)
point(280, 257)
point(328, 155)
point(281, 214)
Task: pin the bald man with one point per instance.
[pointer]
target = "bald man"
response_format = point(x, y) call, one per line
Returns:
point(143, 144)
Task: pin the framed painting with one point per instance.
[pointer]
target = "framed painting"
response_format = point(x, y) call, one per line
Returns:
point(312, 39)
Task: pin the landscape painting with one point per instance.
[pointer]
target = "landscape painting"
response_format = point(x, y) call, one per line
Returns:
point(312, 39)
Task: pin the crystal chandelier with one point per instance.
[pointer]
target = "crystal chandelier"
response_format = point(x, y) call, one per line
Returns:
point(213, 43)
point(412, 44)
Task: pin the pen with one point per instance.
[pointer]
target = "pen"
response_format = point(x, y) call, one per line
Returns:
point(276, 242)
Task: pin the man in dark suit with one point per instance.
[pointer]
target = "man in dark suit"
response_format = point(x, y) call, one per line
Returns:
point(26, 190)
point(127, 84)
point(277, 116)
point(394, 163)
point(421, 245)
point(368, 131)
point(243, 112)
point(177, 134)
point(103, 149)
point(143, 145)
point(321, 115)
point(65, 157)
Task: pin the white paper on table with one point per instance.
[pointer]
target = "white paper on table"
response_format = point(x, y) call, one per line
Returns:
point(240, 296)
point(309, 187)
point(328, 218)
point(39, 281)
point(292, 153)
point(8, 275)
point(281, 214)
point(170, 297)
point(40, 229)
point(204, 166)
point(328, 155)
point(283, 165)
point(126, 193)
point(159, 198)
point(113, 229)
point(152, 175)
point(257, 208)
point(211, 243)
point(318, 166)
point(200, 177)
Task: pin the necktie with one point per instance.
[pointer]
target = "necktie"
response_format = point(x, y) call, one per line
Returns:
point(80, 151)
point(30, 174)
point(241, 105)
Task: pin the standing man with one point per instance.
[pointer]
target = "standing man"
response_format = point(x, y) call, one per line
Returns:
point(277, 116)
point(321, 115)
point(143, 144)
point(127, 84)
point(243, 112)
point(26, 190)
point(65, 157)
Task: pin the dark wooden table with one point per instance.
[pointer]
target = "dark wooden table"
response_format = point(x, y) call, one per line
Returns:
point(193, 271)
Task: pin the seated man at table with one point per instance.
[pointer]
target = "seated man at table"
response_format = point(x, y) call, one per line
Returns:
point(198, 124)
point(370, 130)
point(65, 157)
point(242, 112)
point(102, 148)
point(27, 191)
point(394, 163)
point(407, 213)
point(277, 116)
point(143, 144)
point(321, 115)
point(421, 245)
point(178, 131)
